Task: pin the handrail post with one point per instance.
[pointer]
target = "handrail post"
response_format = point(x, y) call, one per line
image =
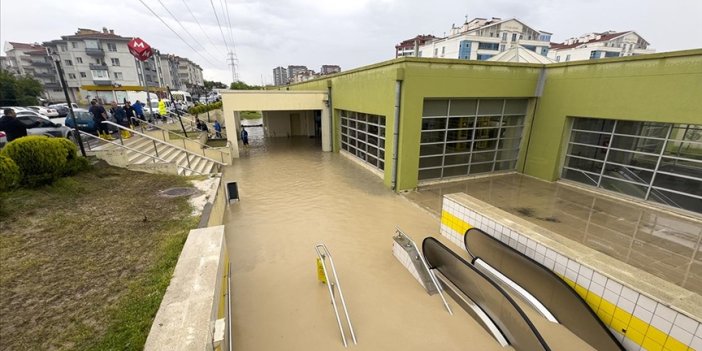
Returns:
point(323, 253)
point(187, 157)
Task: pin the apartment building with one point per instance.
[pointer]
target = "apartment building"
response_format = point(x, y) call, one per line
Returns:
point(280, 75)
point(481, 39)
point(410, 47)
point(32, 59)
point(189, 74)
point(329, 69)
point(294, 70)
point(600, 45)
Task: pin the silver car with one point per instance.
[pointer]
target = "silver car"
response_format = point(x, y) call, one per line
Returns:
point(39, 125)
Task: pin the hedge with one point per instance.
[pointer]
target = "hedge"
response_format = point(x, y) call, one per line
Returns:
point(9, 173)
point(41, 160)
point(195, 110)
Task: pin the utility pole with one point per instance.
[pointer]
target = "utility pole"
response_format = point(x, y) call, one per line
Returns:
point(233, 62)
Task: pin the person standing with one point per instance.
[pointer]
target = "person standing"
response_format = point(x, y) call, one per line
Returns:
point(99, 115)
point(129, 113)
point(162, 110)
point(218, 129)
point(12, 126)
point(120, 116)
point(138, 111)
point(244, 136)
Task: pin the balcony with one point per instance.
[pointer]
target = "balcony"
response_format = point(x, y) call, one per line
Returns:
point(52, 85)
point(41, 64)
point(96, 67)
point(96, 52)
point(45, 75)
point(102, 81)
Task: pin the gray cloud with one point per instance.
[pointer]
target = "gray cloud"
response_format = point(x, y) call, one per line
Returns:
point(350, 33)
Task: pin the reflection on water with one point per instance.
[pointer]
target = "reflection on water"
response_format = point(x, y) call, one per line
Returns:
point(659, 243)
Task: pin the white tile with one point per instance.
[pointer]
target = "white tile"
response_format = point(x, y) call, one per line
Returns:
point(531, 244)
point(571, 274)
point(586, 272)
point(599, 278)
point(686, 323)
point(647, 303)
point(523, 240)
point(661, 324)
point(643, 314)
point(540, 258)
point(560, 269)
point(699, 332)
point(625, 304)
point(665, 312)
point(630, 345)
point(530, 252)
point(541, 249)
point(614, 286)
point(596, 289)
point(629, 294)
point(549, 263)
point(560, 259)
point(573, 265)
point(696, 343)
point(521, 248)
point(681, 334)
point(551, 254)
point(583, 281)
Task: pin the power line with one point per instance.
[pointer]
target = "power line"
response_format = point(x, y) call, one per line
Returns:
point(218, 24)
point(186, 30)
point(229, 20)
point(198, 23)
point(174, 32)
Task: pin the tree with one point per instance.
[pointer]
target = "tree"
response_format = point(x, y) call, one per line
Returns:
point(210, 84)
point(18, 91)
point(243, 86)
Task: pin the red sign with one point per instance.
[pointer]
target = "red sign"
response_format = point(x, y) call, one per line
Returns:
point(140, 49)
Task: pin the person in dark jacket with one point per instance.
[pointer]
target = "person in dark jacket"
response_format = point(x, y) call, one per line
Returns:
point(129, 112)
point(99, 115)
point(12, 126)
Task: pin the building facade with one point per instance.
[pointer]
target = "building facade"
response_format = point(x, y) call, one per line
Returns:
point(600, 45)
point(189, 74)
point(294, 70)
point(410, 47)
point(481, 39)
point(32, 60)
point(280, 76)
point(329, 69)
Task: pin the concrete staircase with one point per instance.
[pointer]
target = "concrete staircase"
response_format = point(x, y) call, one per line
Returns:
point(139, 150)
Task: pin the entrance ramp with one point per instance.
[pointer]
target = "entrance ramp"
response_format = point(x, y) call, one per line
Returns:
point(502, 311)
point(550, 290)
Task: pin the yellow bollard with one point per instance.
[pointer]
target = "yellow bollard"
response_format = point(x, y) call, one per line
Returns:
point(320, 272)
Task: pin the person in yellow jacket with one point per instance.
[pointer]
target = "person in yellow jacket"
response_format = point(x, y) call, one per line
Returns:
point(162, 109)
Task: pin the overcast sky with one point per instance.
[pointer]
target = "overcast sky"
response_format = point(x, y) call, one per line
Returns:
point(349, 33)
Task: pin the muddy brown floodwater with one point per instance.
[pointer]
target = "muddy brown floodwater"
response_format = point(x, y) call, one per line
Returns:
point(294, 196)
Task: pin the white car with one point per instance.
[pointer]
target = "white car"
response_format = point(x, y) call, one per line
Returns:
point(46, 111)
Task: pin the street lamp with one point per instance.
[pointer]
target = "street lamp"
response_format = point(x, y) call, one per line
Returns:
point(57, 59)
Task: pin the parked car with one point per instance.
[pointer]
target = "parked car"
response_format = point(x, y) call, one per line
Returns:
point(62, 108)
point(85, 122)
point(39, 125)
point(14, 108)
point(46, 111)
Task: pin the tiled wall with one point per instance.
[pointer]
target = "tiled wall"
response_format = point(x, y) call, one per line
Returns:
point(638, 321)
point(406, 261)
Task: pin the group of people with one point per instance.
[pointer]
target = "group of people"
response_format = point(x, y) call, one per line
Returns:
point(127, 115)
point(202, 126)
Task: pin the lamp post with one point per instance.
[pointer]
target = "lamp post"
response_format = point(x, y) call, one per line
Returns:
point(57, 60)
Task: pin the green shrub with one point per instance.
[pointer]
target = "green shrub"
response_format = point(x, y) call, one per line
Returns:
point(40, 160)
point(9, 173)
point(74, 163)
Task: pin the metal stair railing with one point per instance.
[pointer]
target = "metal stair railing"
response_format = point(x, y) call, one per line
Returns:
point(166, 144)
point(154, 158)
point(322, 254)
point(163, 133)
point(210, 125)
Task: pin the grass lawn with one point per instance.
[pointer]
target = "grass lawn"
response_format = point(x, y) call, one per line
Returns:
point(250, 114)
point(84, 263)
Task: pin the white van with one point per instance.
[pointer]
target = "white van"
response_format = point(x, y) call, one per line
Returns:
point(183, 97)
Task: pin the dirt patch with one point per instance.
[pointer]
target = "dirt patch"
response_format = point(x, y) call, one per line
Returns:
point(71, 254)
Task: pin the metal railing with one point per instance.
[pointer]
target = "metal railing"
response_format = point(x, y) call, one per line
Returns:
point(155, 141)
point(181, 137)
point(192, 124)
point(322, 254)
point(153, 158)
point(400, 233)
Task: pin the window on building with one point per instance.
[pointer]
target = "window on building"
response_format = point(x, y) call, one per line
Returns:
point(558, 59)
point(514, 37)
point(468, 136)
point(68, 62)
point(115, 61)
point(611, 54)
point(118, 75)
point(530, 47)
point(594, 54)
point(99, 74)
point(443, 51)
point(71, 76)
point(488, 46)
point(658, 162)
point(79, 60)
point(483, 57)
point(504, 36)
point(111, 47)
point(91, 44)
point(567, 58)
point(436, 52)
point(363, 135)
point(83, 75)
point(74, 44)
point(63, 47)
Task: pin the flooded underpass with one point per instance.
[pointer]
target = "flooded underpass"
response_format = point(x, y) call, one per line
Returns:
point(294, 196)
